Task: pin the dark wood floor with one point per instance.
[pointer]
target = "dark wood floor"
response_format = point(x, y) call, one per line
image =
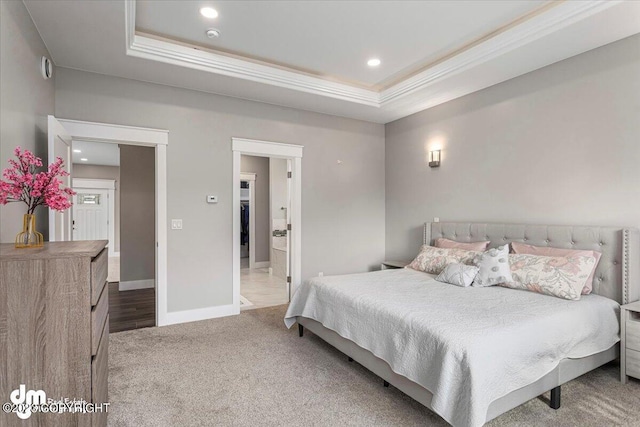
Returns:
point(131, 309)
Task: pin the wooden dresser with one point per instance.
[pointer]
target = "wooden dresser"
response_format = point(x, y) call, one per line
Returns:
point(54, 328)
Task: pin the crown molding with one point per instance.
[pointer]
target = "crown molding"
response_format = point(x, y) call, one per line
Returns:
point(552, 20)
point(438, 78)
point(173, 53)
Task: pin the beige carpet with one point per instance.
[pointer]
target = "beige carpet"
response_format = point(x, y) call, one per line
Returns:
point(248, 370)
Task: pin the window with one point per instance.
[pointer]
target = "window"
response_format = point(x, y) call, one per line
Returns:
point(88, 199)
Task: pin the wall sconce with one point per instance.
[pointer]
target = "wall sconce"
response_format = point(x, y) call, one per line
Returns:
point(434, 158)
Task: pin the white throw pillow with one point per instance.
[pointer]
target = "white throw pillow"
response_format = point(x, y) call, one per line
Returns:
point(458, 274)
point(494, 267)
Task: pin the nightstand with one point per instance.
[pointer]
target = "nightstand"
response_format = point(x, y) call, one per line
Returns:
point(630, 345)
point(390, 265)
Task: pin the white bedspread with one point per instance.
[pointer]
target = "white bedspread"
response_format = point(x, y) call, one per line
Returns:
point(467, 346)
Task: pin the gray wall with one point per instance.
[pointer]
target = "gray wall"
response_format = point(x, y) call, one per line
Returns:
point(103, 172)
point(137, 213)
point(25, 101)
point(342, 204)
point(260, 166)
point(559, 145)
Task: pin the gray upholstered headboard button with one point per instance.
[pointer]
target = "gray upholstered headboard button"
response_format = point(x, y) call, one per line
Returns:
point(617, 275)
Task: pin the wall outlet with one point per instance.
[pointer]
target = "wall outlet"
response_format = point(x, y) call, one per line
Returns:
point(436, 219)
point(176, 224)
point(212, 199)
point(320, 274)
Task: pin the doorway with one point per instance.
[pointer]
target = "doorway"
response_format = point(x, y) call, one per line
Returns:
point(92, 210)
point(264, 254)
point(277, 270)
point(115, 186)
point(65, 131)
point(95, 214)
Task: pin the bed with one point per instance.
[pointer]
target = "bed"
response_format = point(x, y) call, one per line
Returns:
point(472, 354)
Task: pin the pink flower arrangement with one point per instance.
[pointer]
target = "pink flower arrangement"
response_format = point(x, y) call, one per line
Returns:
point(24, 184)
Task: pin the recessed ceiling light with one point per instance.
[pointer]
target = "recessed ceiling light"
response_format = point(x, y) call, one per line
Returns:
point(373, 62)
point(209, 12)
point(212, 32)
point(84, 159)
point(77, 151)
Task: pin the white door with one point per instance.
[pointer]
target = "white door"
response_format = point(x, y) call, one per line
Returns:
point(91, 214)
point(59, 145)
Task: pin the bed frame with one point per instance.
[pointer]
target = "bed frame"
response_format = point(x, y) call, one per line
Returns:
point(617, 277)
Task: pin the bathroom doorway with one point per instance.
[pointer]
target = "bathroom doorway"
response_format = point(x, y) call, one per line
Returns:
point(264, 250)
point(273, 221)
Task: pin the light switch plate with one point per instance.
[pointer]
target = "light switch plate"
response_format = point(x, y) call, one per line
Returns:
point(436, 219)
point(212, 199)
point(176, 224)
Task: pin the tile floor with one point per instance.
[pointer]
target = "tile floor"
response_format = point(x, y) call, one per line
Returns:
point(260, 288)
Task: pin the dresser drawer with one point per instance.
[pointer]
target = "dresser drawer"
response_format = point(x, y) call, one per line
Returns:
point(99, 271)
point(100, 377)
point(99, 315)
point(633, 363)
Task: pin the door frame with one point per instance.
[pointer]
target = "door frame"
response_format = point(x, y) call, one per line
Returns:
point(252, 147)
point(101, 184)
point(158, 139)
point(251, 178)
point(60, 228)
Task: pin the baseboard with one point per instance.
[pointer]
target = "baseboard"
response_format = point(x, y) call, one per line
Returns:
point(174, 317)
point(137, 284)
point(262, 264)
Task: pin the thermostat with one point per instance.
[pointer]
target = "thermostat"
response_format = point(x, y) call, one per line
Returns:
point(212, 199)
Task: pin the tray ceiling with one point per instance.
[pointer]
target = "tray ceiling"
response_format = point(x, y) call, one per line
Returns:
point(335, 39)
point(312, 54)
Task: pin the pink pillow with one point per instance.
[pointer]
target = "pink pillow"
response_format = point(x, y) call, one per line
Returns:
point(523, 248)
point(450, 244)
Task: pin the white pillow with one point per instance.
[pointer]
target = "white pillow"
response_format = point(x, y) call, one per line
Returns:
point(458, 274)
point(494, 267)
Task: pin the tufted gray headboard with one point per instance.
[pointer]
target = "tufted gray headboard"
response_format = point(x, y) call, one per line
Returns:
point(617, 275)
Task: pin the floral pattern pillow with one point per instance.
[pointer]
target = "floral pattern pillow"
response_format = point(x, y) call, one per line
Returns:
point(433, 260)
point(562, 277)
point(523, 248)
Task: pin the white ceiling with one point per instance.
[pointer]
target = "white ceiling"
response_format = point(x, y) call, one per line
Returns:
point(336, 38)
point(96, 153)
point(311, 54)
